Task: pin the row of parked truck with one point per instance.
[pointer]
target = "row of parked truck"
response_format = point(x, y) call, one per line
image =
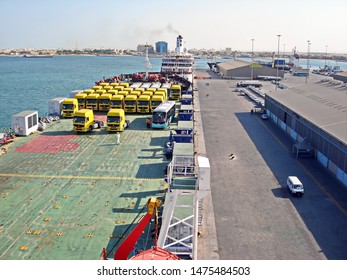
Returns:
point(134, 98)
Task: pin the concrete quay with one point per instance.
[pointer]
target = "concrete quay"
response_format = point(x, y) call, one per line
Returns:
point(255, 216)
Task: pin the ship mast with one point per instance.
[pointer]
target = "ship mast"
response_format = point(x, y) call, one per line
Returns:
point(148, 64)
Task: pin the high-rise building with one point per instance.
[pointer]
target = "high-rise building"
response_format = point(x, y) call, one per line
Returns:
point(161, 47)
point(142, 48)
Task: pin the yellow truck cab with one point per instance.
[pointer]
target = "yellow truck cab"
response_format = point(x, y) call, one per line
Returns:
point(160, 93)
point(81, 99)
point(128, 89)
point(92, 101)
point(156, 101)
point(119, 87)
point(108, 88)
point(140, 89)
point(100, 91)
point(123, 92)
point(95, 88)
point(176, 92)
point(130, 104)
point(104, 84)
point(112, 92)
point(151, 89)
point(144, 104)
point(149, 93)
point(88, 91)
point(163, 90)
point(83, 121)
point(105, 102)
point(114, 84)
point(124, 84)
point(117, 101)
point(70, 106)
point(135, 92)
point(116, 120)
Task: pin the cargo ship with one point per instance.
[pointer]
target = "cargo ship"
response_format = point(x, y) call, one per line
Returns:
point(68, 195)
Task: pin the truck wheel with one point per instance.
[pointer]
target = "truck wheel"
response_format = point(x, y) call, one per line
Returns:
point(90, 128)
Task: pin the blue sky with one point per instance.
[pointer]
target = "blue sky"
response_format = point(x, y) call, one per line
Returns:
point(216, 24)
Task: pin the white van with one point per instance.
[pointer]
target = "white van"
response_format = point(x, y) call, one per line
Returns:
point(295, 186)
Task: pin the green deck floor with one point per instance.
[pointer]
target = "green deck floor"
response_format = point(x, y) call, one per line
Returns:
point(69, 205)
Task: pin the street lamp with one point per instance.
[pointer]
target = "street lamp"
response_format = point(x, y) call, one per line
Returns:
point(252, 60)
point(326, 55)
point(278, 58)
point(308, 59)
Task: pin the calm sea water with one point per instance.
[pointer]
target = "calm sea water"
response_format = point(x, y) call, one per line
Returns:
point(28, 84)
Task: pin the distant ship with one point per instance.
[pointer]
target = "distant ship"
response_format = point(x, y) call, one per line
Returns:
point(38, 56)
point(180, 63)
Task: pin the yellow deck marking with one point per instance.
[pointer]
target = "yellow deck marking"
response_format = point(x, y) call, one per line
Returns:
point(80, 177)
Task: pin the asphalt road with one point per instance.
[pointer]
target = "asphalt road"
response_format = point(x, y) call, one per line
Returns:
point(255, 215)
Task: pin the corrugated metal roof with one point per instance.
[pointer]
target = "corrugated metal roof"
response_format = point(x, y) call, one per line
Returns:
point(233, 64)
point(341, 74)
point(320, 103)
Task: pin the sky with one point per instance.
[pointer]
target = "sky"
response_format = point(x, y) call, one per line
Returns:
point(204, 24)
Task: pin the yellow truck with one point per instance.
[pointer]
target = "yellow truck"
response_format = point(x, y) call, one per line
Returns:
point(88, 91)
point(156, 101)
point(70, 107)
point(149, 93)
point(130, 104)
point(81, 99)
point(144, 104)
point(83, 121)
point(92, 101)
point(176, 92)
point(163, 90)
point(117, 102)
point(116, 120)
point(95, 88)
point(105, 102)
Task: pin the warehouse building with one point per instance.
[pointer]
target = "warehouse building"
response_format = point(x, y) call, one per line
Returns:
point(341, 76)
point(315, 116)
point(240, 69)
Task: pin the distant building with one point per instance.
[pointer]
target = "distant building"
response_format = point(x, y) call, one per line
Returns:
point(161, 47)
point(240, 69)
point(228, 51)
point(142, 48)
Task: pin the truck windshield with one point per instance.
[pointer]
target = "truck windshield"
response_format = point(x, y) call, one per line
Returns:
point(142, 103)
point(68, 106)
point(115, 119)
point(131, 103)
point(91, 101)
point(79, 119)
point(298, 187)
point(116, 102)
point(104, 101)
point(156, 103)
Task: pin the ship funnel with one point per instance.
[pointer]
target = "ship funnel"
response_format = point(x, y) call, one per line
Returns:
point(179, 44)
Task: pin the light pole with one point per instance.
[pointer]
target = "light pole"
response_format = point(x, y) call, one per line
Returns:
point(278, 57)
point(252, 60)
point(326, 55)
point(308, 59)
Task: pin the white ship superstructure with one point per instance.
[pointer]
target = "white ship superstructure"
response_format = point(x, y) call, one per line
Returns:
point(180, 63)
